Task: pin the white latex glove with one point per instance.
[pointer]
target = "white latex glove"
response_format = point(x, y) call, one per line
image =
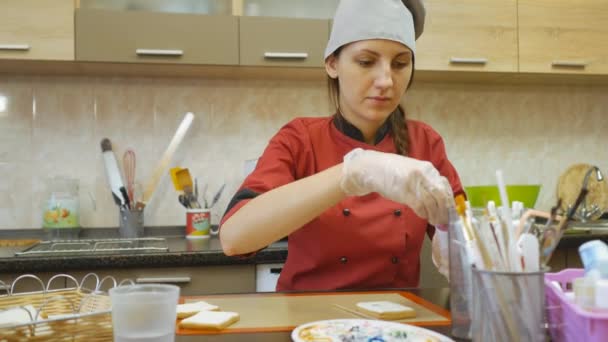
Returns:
point(413, 182)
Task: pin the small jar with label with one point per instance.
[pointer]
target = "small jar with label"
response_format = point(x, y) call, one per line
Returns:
point(61, 208)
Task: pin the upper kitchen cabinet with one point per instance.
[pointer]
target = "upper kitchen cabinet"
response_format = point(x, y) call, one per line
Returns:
point(37, 29)
point(469, 35)
point(286, 42)
point(142, 36)
point(213, 7)
point(309, 9)
point(563, 36)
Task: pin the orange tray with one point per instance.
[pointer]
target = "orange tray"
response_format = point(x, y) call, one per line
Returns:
point(282, 312)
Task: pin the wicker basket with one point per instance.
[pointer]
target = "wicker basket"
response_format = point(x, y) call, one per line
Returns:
point(71, 314)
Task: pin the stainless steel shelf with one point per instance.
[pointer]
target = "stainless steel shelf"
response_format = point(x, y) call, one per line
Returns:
point(96, 246)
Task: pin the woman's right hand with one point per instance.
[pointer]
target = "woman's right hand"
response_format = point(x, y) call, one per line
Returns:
point(410, 181)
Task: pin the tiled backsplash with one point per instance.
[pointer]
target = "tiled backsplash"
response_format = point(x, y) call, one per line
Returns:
point(53, 126)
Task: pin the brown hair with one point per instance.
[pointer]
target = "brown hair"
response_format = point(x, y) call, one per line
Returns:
point(397, 117)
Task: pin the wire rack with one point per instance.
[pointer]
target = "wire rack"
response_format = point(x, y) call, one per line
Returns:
point(98, 246)
point(68, 314)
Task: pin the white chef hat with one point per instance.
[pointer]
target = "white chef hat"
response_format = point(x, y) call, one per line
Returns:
point(398, 20)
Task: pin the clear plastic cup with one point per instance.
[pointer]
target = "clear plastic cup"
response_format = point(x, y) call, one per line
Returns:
point(144, 312)
point(461, 287)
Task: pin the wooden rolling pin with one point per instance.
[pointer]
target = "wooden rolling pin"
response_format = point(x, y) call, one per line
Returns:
point(163, 164)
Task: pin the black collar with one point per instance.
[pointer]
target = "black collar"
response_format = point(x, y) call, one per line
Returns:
point(353, 132)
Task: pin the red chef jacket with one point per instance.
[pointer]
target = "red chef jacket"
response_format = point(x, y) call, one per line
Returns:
point(362, 242)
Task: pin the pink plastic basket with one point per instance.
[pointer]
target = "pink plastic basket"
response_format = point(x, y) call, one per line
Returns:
point(567, 321)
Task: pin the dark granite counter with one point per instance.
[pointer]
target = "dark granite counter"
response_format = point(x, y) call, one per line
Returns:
point(181, 252)
point(575, 239)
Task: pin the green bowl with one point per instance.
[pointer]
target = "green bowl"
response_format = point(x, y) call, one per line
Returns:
point(479, 196)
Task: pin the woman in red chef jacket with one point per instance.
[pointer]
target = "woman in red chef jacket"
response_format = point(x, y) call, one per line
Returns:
point(356, 191)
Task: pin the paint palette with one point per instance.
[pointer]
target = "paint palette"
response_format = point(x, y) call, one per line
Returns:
point(363, 330)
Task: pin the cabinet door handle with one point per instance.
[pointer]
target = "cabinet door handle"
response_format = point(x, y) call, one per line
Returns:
point(172, 280)
point(276, 270)
point(569, 64)
point(15, 47)
point(458, 60)
point(159, 52)
point(286, 55)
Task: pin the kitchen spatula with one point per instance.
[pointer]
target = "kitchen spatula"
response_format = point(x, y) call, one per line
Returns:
point(173, 172)
point(183, 178)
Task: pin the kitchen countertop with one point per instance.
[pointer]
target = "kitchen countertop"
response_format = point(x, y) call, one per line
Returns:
point(181, 252)
point(576, 238)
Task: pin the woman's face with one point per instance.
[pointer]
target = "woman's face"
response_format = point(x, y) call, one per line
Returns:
point(373, 76)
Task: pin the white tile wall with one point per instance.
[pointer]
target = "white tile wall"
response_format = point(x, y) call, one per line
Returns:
point(53, 126)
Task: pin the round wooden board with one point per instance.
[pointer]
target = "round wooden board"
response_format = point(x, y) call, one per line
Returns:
point(570, 183)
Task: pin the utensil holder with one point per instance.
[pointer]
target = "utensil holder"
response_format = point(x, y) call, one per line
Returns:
point(131, 223)
point(508, 306)
point(198, 223)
